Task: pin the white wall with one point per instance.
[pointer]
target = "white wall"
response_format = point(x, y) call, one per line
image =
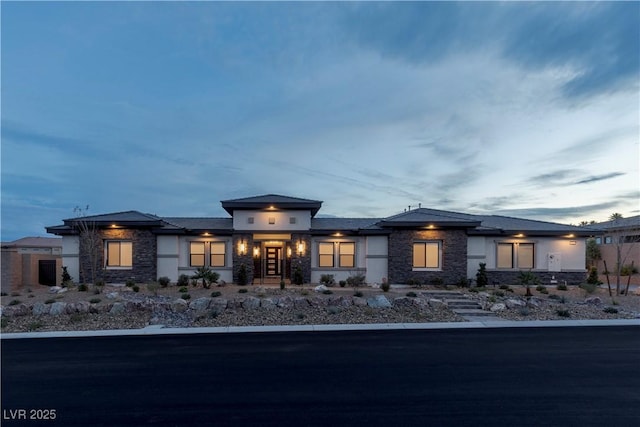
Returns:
point(226, 273)
point(261, 220)
point(377, 260)
point(168, 257)
point(70, 255)
point(476, 253)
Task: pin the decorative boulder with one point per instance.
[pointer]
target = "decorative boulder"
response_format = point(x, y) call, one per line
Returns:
point(268, 304)
point(436, 303)
point(593, 301)
point(359, 301)
point(251, 303)
point(200, 304)
point(498, 307)
point(118, 308)
point(178, 305)
point(320, 288)
point(379, 301)
point(40, 308)
point(57, 308)
point(513, 303)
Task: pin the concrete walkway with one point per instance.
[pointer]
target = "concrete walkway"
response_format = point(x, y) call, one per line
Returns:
point(478, 324)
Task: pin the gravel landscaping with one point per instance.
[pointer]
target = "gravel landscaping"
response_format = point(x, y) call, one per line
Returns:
point(120, 307)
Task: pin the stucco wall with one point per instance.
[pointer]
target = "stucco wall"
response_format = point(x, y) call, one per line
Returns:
point(281, 220)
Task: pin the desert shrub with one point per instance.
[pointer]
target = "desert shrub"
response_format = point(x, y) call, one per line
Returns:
point(412, 281)
point(411, 294)
point(300, 316)
point(481, 276)
point(499, 293)
point(327, 280)
point(436, 282)
point(153, 287)
point(4, 322)
point(528, 279)
point(66, 277)
point(589, 288)
point(561, 287)
point(83, 288)
point(327, 292)
point(298, 277)
point(385, 285)
point(614, 302)
point(563, 312)
point(554, 297)
point(593, 276)
point(356, 280)
point(183, 289)
point(164, 281)
point(628, 270)
point(342, 283)
point(242, 275)
point(474, 290)
point(282, 284)
point(95, 300)
point(540, 288)
point(562, 300)
point(544, 291)
point(463, 282)
point(610, 310)
point(76, 317)
point(3, 294)
point(185, 296)
point(242, 291)
point(504, 287)
point(183, 280)
point(304, 292)
point(130, 283)
point(524, 311)
point(358, 294)
point(135, 288)
point(15, 302)
point(50, 301)
point(492, 298)
point(34, 326)
point(215, 294)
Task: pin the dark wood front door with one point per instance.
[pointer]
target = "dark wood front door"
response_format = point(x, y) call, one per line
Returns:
point(273, 259)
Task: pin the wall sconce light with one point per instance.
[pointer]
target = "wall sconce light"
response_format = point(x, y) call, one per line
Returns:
point(242, 247)
point(300, 248)
point(289, 252)
point(256, 251)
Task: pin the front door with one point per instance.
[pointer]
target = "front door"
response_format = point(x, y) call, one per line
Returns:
point(274, 257)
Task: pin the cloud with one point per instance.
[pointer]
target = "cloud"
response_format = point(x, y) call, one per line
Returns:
point(570, 213)
point(595, 178)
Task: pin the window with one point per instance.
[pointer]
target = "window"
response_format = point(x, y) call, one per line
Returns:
point(119, 254)
point(347, 251)
point(426, 255)
point(326, 254)
point(250, 220)
point(607, 240)
point(217, 254)
point(272, 220)
point(197, 254)
point(598, 240)
point(520, 255)
point(292, 220)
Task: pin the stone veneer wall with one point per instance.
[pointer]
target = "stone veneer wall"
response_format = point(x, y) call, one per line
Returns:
point(304, 260)
point(454, 256)
point(498, 277)
point(246, 259)
point(144, 268)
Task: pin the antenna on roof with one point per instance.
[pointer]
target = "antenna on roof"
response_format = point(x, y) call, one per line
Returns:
point(419, 205)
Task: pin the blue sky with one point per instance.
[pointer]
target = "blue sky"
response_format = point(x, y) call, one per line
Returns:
point(521, 109)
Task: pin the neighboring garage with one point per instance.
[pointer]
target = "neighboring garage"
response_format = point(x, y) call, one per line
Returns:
point(31, 261)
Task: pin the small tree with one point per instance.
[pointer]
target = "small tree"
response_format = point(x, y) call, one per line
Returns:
point(242, 275)
point(207, 275)
point(66, 277)
point(618, 239)
point(528, 279)
point(90, 242)
point(593, 253)
point(481, 276)
point(298, 278)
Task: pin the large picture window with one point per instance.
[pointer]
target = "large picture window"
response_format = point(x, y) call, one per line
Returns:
point(426, 255)
point(347, 251)
point(325, 251)
point(119, 254)
point(218, 254)
point(198, 252)
point(515, 255)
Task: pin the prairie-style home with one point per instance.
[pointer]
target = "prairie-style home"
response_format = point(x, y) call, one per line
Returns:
point(272, 236)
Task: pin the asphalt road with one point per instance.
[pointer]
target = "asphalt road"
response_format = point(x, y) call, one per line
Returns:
point(472, 377)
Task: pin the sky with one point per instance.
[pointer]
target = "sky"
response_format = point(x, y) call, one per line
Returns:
point(521, 109)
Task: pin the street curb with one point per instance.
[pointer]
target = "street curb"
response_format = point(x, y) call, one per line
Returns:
point(160, 330)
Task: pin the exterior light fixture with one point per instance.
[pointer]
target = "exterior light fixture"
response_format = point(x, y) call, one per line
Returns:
point(242, 247)
point(256, 251)
point(289, 252)
point(300, 248)
point(206, 233)
point(519, 235)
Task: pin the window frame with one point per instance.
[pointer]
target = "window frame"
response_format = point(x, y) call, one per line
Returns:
point(517, 256)
point(203, 254)
point(326, 256)
point(207, 253)
point(107, 254)
point(426, 266)
point(223, 253)
point(352, 256)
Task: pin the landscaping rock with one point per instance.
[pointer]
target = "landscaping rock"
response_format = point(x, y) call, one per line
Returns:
point(218, 304)
point(433, 302)
point(178, 305)
point(514, 303)
point(63, 290)
point(320, 288)
point(200, 304)
point(57, 308)
point(82, 306)
point(379, 301)
point(251, 303)
point(113, 295)
point(40, 308)
point(359, 301)
point(118, 308)
point(285, 302)
point(300, 302)
point(54, 289)
point(498, 307)
point(268, 304)
point(593, 301)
